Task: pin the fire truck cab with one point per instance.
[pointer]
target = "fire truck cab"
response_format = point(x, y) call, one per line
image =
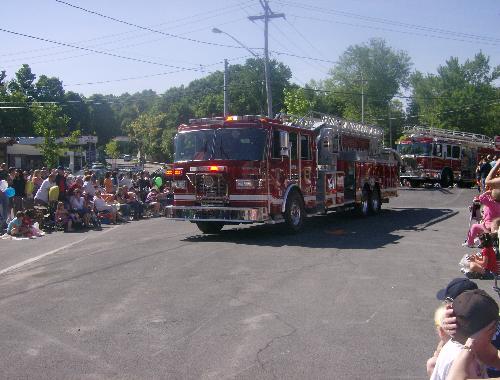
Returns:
point(254, 169)
point(433, 155)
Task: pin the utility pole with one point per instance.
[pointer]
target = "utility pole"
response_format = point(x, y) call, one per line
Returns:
point(362, 100)
point(390, 127)
point(226, 99)
point(268, 15)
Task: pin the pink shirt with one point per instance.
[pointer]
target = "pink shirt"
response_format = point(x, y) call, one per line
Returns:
point(491, 209)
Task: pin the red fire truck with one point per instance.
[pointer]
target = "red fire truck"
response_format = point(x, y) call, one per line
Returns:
point(253, 169)
point(433, 155)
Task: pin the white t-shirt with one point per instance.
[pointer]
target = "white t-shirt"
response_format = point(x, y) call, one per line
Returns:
point(43, 191)
point(126, 182)
point(101, 205)
point(88, 187)
point(445, 359)
point(77, 203)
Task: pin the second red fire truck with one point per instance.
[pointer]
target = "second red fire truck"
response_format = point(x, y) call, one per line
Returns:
point(434, 155)
point(253, 169)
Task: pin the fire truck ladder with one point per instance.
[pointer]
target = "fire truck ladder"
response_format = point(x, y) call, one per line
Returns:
point(317, 120)
point(467, 137)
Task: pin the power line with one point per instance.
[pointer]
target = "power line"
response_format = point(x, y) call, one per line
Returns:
point(392, 22)
point(97, 51)
point(145, 27)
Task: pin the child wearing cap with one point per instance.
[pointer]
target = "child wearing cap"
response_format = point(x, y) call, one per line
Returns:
point(441, 333)
point(474, 310)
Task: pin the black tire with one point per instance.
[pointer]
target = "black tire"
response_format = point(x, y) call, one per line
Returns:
point(364, 208)
point(210, 227)
point(294, 212)
point(376, 201)
point(446, 179)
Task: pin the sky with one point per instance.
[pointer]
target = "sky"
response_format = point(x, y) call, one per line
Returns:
point(111, 57)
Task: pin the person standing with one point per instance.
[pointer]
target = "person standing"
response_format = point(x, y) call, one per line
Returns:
point(484, 170)
point(60, 180)
point(19, 185)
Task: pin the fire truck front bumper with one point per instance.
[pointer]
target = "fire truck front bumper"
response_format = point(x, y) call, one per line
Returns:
point(217, 214)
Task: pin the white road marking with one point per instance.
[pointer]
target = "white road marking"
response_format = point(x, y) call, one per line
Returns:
point(39, 257)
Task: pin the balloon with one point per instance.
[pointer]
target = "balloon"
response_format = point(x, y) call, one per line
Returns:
point(158, 181)
point(54, 193)
point(3, 185)
point(10, 192)
point(29, 187)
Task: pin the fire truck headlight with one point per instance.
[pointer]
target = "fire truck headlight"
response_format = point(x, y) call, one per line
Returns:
point(245, 184)
point(181, 185)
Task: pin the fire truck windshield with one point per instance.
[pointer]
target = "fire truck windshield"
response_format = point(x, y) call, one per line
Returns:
point(221, 144)
point(419, 149)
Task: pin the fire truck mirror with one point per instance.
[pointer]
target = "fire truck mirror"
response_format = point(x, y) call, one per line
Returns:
point(284, 143)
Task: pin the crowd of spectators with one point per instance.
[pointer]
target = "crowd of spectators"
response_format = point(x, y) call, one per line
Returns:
point(76, 201)
point(467, 320)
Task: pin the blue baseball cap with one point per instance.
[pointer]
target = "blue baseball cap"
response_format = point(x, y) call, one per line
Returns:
point(456, 287)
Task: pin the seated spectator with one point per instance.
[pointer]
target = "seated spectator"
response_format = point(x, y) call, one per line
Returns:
point(454, 288)
point(166, 197)
point(63, 216)
point(89, 187)
point(152, 201)
point(481, 265)
point(474, 310)
point(126, 180)
point(101, 205)
point(16, 226)
point(42, 195)
point(441, 333)
point(108, 183)
point(77, 184)
point(78, 205)
point(127, 201)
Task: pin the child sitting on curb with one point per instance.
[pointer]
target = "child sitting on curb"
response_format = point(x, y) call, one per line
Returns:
point(491, 216)
point(16, 226)
point(63, 216)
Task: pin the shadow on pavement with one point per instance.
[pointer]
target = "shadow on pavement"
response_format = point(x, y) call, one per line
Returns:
point(337, 230)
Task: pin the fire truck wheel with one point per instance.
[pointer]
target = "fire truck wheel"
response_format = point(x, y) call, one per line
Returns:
point(294, 212)
point(376, 202)
point(366, 202)
point(210, 227)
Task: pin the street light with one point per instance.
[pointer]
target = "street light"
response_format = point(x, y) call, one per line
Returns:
point(217, 30)
point(268, 88)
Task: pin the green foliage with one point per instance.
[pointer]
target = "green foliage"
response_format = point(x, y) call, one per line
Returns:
point(50, 124)
point(460, 96)
point(112, 149)
point(374, 69)
point(146, 132)
point(296, 102)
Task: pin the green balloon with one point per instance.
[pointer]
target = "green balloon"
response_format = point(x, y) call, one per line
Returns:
point(158, 181)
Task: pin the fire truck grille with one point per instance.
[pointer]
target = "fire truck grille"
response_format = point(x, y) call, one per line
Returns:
point(211, 189)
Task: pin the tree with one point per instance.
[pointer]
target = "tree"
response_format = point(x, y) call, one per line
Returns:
point(49, 89)
point(460, 96)
point(51, 124)
point(374, 69)
point(112, 149)
point(23, 83)
point(145, 131)
point(296, 102)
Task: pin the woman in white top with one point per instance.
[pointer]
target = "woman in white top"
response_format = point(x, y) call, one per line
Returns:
point(77, 203)
point(42, 195)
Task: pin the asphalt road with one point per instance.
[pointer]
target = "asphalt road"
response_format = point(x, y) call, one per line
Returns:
point(349, 298)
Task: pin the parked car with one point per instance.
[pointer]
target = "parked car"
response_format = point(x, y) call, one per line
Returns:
point(127, 157)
